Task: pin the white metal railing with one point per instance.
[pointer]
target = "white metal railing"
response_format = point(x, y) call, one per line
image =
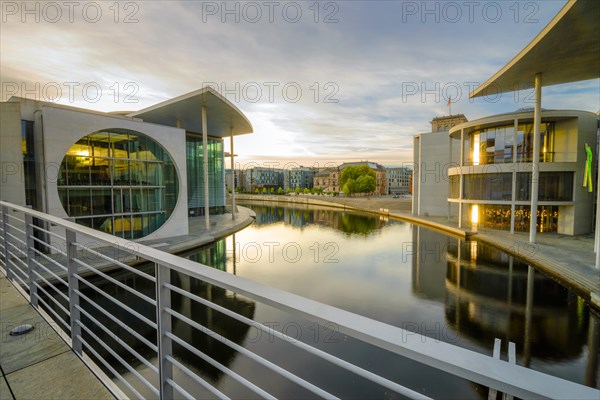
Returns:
point(54, 270)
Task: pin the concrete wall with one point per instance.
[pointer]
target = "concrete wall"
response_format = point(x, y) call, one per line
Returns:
point(63, 127)
point(430, 193)
point(12, 182)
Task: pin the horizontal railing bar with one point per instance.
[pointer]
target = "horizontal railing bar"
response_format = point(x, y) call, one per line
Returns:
point(180, 390)
point(468, 364)
point(117, 262)
point(15, 257)
point(116, 302)
point(14, 228)
point(54, 301)
point(56, 249)
point(110, 368)
point(16, 267)
point(14, 246)
point(253, 356)
point(119, 358)
point(49, 232)
point(50, 260)
point(197, 379)
point(118, 340)
point(58, 317)
point(293, 341)
point(240, 379)
point(43, 267)
point(116, 282)
point(23, 284)
point(117, 321)
point(14, 217)
point(61, 294)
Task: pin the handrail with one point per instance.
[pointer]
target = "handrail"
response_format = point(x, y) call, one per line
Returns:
point(485, 370)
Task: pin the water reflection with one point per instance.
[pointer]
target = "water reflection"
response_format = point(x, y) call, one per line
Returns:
point(299, 216)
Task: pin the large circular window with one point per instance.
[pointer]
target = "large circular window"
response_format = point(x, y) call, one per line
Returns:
point(118, 181)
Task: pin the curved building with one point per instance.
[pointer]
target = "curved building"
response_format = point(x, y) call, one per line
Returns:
point(131, 174)
point(490, 183)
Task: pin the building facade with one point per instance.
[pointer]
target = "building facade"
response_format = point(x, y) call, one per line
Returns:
point(327, 180)
point(490, 182)
point(299, 177)
point(398, 180)
point(262, 178)
point(134, 175)
point(433, 155)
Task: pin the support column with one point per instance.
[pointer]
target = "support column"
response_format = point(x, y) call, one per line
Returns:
point(461, 177)
point(420, 177)
point(232, 174)
point(535, 171)
point(205, 150)
point(513, 208)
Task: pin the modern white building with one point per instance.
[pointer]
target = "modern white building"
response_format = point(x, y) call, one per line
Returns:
point(490, 181)
point(133, 174)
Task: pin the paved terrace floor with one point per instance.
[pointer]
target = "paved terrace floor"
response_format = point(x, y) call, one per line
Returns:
point(39, 364)
point(569, 259)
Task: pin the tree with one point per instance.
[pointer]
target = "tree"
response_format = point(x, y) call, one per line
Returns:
point(358, 179)
point(280, 191)
point(272, 190)
point(264, 191)
point(256, 190)
point(306, 191)
point(297, 190)
point(288, 190)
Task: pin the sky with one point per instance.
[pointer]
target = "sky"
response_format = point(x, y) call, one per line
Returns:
point(321, 82)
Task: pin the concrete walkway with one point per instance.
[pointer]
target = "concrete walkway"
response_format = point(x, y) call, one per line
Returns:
point(569, 259)
point(39, 364)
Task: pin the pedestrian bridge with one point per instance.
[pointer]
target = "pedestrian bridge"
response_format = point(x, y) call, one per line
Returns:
point(52, 262)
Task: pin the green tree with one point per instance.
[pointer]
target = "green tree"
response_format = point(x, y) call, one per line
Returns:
point(358, 179)
point(280, 191)
point(297, 190)
point(272, 190)
point(264, 191)
point(256, 190)
point(288, 190)
point(306, 190)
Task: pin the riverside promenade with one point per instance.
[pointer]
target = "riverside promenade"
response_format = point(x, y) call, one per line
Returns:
point(40, 364)
point(568, 259)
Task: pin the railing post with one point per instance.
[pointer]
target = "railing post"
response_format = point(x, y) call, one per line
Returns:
point(33, 293)
point(5, 241)
point(74, 315)
point(163, 322)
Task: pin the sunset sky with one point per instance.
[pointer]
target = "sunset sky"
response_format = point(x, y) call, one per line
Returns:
point(320, 81)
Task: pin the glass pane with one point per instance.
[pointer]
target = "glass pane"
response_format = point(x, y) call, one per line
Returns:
point(79, 202)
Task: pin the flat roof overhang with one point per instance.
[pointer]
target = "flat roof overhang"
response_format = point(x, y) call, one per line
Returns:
point(567, 50)
point(223, 118)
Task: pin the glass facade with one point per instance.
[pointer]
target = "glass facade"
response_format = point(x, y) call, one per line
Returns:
point(496, 145)
point(454, 186)
point(553, 186)
point(118, 181)
point(195, 175)
point(29, 164)
point(488, 186)
point(495, 216)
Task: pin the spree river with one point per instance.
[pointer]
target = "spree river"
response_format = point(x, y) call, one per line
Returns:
point(464, 293)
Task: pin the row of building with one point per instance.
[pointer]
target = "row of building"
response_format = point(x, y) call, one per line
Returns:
point(389, 180)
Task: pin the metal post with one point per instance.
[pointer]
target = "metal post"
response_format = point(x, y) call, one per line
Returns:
point(528, 310)
point(461, 177)
point(71, 238)
point(597, 238)
point(163, 322)
point(9, 272)
point(33, 294)
point(535, 170)
point(205, 151)
point(232, 174)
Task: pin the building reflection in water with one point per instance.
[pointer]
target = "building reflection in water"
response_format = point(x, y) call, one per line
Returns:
point(489, 294)
point(299, 216)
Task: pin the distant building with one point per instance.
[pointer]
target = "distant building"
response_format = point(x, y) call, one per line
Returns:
point(262, 178)
point(398, 180)
point(327, 180)
point(238, 180)
point(299, 177)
